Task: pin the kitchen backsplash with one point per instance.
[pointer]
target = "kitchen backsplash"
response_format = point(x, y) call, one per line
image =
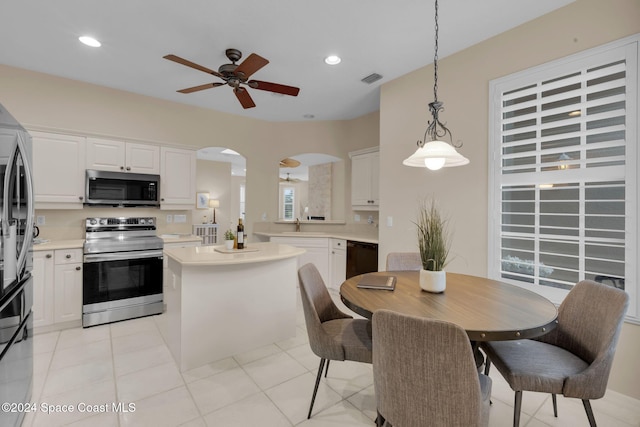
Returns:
point(69, 224)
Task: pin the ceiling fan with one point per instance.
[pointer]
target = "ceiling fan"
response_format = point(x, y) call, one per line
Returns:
point(289, 163)
point(237, 76)
point(289, 179)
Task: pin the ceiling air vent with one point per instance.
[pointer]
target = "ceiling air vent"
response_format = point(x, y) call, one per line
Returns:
point(371, 78)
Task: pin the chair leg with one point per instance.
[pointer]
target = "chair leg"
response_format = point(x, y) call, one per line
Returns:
point(555, 405)
point(516, 409)
point(326, 371)
point(379, 420)
point(315, 389)
point(589, 411)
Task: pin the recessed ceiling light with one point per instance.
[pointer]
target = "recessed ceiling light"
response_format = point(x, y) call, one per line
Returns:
point(90, 41)
point(308, 116)
point(332, 60)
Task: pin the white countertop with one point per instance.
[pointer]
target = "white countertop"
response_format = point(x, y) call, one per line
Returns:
point(52, 245)
point(180, 238)
point(208, 256)
point(59, 244)
point(333, 235)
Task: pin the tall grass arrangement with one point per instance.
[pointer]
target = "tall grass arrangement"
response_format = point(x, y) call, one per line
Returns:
point(434, 239)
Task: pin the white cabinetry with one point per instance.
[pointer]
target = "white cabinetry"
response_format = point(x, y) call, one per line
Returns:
point(365, 171)
point(208, 233)
point(67, 294)
point(57, 286)
point(317, 252)
point(120, 156)
point(58, 170)
point(42, 288)
point(177, 178)
point(338, 262)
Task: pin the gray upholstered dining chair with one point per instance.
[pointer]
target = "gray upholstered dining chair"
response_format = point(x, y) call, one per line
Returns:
point(575, 358)
point(404, 261)
point(333, 335)
point(424, 373)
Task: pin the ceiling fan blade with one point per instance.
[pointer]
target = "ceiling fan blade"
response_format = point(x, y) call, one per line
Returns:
point(243, 96)
point(250, 65)
point(183, 61)
point(274, 87)
point(201, 87)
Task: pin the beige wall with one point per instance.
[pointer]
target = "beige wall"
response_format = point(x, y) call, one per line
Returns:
point(214, 178)
point(463, 86)
point(52, 103)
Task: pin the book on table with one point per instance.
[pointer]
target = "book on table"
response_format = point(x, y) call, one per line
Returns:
point(377, 282)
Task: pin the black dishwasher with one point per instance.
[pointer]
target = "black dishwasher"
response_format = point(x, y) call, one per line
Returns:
point(361, 258)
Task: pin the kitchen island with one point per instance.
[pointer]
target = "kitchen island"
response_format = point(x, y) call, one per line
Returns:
point(221, 304)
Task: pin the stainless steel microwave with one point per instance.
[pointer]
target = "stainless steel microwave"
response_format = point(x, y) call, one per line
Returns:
point(121, 189)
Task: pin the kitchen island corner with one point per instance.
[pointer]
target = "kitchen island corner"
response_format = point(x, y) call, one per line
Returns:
point(220, 304)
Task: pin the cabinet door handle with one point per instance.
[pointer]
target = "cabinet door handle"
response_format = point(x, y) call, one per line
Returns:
point(121, 168)
point(128, 168)
point(78, 268)
point(68, 256)
point(48, 256)
point(80, 197)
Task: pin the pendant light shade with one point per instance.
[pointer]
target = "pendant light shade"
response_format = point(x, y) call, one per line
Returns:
point(436, 154)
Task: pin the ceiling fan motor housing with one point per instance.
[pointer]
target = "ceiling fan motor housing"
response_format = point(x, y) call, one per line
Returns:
point(234, 55)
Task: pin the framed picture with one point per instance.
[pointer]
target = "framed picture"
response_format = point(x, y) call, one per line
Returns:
point(202, 200)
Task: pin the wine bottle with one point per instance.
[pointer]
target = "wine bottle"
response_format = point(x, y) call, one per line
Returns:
point(240, 234)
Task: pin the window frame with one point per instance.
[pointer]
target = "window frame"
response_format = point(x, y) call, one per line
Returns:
point(630, 46)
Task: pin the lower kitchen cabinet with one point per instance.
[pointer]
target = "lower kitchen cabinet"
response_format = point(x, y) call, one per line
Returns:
point(338, 263)
point(57, 286)
point(317, 252)
point(42, 288)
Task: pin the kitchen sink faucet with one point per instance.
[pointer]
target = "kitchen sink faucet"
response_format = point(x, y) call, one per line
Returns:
point(297, 224)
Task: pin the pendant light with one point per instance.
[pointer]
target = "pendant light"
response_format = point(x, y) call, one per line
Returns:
point(436, 154)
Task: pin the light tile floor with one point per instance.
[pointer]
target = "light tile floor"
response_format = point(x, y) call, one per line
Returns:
point(129, 363)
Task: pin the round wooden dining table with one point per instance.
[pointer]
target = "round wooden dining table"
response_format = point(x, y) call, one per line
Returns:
point(488, 310)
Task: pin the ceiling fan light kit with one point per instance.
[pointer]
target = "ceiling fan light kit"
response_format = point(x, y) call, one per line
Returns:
point(236, 76)
point(436, 154)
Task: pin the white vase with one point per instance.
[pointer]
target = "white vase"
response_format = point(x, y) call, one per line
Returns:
point(433, 281)
point(228, 244)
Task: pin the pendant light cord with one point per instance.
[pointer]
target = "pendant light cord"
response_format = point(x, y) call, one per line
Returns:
point(435, 59)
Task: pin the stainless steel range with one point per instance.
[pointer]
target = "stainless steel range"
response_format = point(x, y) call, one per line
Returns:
point(122, 276)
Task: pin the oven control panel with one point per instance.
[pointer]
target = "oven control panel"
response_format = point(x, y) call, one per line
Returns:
point(105, 223)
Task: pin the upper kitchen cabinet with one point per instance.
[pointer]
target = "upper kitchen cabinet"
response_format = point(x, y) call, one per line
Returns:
point(58, 170)
point(177, 178)
point(365, 171)
point(120, 156)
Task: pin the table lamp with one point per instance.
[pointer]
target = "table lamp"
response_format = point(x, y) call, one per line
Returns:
point(213, 203)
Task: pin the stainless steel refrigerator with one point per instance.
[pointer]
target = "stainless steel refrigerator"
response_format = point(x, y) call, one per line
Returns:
point(16, 284)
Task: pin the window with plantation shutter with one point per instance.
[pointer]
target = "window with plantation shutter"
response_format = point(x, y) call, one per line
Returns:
point(288, 203)
point(563, 160)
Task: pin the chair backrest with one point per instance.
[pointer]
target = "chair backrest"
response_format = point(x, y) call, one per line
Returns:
point(589, 323)
point(404, 261)
point(424, 372)
point(318, 307)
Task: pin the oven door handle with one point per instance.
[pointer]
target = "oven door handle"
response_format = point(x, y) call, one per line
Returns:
point(122, 256)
